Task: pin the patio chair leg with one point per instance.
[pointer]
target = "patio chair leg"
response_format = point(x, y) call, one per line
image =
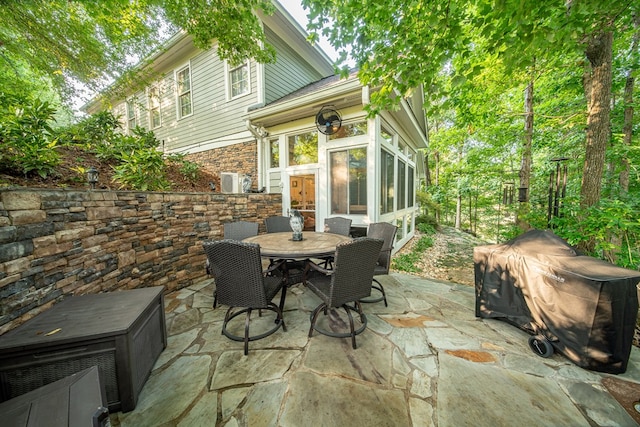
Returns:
point(381, 298)
point(246, 332)
point(351, 326)
point(283, 296)
point(360, 312)
point(314, 317)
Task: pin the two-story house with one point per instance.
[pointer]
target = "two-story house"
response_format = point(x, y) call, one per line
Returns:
point(259, 120)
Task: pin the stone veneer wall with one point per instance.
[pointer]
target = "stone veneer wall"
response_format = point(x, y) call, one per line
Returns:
point(63, 242)
point(241, 158)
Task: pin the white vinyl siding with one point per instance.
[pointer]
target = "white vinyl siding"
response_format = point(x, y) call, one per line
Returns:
point(213, 116)
point(289, 73)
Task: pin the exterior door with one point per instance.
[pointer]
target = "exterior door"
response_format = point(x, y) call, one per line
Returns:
point(303, 198)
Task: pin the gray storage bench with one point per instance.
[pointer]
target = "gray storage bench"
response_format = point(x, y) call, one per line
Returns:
point(74, 401)
point(121, 332)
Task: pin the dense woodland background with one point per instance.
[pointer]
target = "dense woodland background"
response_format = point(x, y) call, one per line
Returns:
point(531, 105)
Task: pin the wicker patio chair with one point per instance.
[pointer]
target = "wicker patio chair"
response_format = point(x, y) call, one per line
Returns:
point(241, 284)
point(240, 230)
point(336, 225)
point(277, 224)
point(386, 232)
point(349, 281)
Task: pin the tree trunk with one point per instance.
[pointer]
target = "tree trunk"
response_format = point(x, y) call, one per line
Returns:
point(436, 158)
point(627, 128)
point(599, 54)
point(458, 224)
point(525, 164)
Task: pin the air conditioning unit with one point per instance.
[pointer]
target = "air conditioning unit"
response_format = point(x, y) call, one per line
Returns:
point(231, 182)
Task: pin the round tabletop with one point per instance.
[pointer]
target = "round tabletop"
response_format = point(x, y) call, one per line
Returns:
point(313, 244)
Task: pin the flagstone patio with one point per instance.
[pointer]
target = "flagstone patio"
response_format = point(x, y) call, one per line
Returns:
point(425, 360)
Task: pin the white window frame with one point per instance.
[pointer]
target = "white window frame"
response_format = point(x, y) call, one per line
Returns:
point(150, 90)
point(129, 107)
point(179, 114)
point(230, 69)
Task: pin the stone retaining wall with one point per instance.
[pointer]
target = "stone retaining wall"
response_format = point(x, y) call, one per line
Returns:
point(59, 242)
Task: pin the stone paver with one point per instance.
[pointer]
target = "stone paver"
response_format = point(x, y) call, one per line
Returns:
point(425, 360)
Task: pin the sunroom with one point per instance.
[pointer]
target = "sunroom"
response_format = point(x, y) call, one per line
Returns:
point(367, 169)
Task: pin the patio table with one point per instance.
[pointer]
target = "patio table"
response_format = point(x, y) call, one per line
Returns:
point(312, 245)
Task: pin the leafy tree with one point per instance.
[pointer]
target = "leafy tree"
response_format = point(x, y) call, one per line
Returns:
point(399, 45)
point(94, 41)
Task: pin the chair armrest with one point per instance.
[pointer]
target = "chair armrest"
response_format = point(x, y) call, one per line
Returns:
point(273, 267)
point(313, 266)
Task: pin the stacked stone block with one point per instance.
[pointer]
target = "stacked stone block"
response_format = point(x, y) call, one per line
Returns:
point(66, 242)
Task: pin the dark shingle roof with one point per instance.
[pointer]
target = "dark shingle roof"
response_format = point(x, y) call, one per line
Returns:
point(314, 87)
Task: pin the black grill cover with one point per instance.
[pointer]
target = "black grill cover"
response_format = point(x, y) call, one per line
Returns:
point(586, 307)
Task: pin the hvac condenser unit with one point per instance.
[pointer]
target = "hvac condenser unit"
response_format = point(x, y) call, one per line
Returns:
point(231, 182)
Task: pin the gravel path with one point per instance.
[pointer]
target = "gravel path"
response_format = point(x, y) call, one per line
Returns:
point(450, 258)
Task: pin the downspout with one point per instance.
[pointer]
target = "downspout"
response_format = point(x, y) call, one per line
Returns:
point(259, 133)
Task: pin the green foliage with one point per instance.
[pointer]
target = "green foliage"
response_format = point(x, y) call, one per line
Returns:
point(613, 224)
point(119, 147)
point(189, 170)
point(26, 136)
point(234, 26)
point(409, 261)
point(423, 244)
point(98, 129)
point(425, 227)
point(28, 145)
point(406, 262)
point(139, 164)
point(428, 207)
point(65, 41)
point(142, 169)
point(398, 46)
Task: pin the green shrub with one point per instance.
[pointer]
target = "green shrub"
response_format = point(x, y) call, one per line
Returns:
point(612, 224)
point(189, 170)
point(423, 244)
point(26, 137)
point(142, 170)
point(426, 228)
point(425, 220)
point(406, 262)
point(97, 130)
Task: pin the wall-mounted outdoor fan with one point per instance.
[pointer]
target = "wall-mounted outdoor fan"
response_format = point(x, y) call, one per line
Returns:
point(328, 120)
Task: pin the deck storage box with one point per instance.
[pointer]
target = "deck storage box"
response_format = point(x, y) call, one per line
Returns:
point(121, 332)
point(74, 401)
point(585, 307)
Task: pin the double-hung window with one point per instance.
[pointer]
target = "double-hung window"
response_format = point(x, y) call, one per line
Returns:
point(184, 103)
point(155, 116)
point(131, 115)
point(239, 80)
